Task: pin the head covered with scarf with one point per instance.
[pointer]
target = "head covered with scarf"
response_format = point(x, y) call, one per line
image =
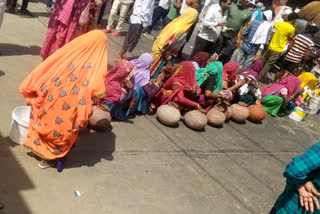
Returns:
point(182, 80)
point(60, 92)
point(142, 72)
point(115, 79)
point(201, 58)
point(231, 71)
point(253, 71)
point(215, 69)
point(292, 83)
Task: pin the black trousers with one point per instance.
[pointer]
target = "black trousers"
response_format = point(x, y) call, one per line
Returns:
point(103, 7)
point(227, 47)
point(23, 6)
point(203, 45)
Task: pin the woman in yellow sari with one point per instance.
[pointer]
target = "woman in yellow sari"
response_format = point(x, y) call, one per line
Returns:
point(170, 40)
point(60, 92)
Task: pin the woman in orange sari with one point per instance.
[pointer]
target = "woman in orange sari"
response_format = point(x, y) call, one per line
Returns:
point(60, 92)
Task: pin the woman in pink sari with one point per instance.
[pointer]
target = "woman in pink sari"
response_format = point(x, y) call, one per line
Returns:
point(277, 95)
point(70, 19)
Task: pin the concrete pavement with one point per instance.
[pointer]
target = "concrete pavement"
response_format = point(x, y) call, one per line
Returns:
point(142, 166)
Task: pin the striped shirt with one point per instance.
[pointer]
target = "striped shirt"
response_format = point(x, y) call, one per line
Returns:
point(301, 44)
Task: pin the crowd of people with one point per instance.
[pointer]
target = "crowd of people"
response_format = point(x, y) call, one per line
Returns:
point(236, 45)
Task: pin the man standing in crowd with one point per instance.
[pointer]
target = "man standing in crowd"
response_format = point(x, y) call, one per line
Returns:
point(258, 12)
point(285, 32)
point(174, 10)
point(299, 51)
point(256, 34)
point(140, 19)
point(215, 18)
point(160, 12)
point(239, 15)
point(186, 4)
point(124, 6)
point(284, 18)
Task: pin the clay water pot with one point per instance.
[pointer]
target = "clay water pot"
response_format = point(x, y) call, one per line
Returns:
point(100, 120)
point(216, 116)
point(240, 112)
point(168, 115)
point(195, 120)
point(256, 113)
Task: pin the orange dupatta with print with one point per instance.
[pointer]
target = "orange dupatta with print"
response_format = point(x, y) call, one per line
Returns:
point(60, 92)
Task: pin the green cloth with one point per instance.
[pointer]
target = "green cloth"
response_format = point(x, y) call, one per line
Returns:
point(272, 104)
point(300, 170)
point(215, 69)
point(249, 99)
point(236, 19)
point(173, 12)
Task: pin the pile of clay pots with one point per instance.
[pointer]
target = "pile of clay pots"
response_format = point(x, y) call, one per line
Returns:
point(217, 116)
point(170, 116)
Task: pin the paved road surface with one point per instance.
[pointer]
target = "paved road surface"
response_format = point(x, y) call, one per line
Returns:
point(142, 166)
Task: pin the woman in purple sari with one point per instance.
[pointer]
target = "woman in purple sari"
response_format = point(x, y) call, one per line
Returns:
point(145, 87)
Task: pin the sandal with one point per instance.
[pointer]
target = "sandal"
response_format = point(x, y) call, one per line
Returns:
point(45, 164)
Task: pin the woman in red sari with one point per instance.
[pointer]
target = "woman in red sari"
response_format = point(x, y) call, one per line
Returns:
point(181, 86)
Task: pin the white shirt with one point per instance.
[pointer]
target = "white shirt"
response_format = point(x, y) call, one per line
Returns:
point(165, 4)
point(184, 6)
point(207, 3)
point(249, 89)
point(209, 29)
point(142, 12)
point(126, 1)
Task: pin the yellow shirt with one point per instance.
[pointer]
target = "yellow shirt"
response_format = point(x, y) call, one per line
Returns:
point(284, 33)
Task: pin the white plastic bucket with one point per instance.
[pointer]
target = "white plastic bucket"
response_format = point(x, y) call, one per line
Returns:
point(297, 114)
point(314, 104)
point(19, 124)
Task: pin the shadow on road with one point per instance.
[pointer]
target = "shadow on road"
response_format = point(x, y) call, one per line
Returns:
point(90, 149)
point(13, 180)
point(15, 50)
